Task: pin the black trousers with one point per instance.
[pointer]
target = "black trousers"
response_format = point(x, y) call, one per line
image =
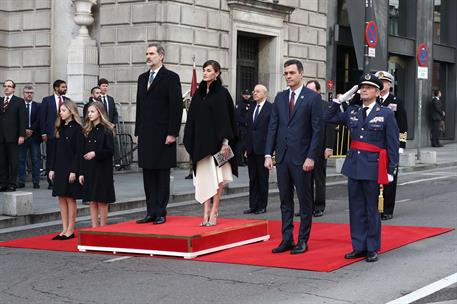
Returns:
point(157, 190)
point(258, 182)
point(9, 163)
point(292, 176)
point(318, 177)
point(389, 194)
point(50, 148)
point(436, 133)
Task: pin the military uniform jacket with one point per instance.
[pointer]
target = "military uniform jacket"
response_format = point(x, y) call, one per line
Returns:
point(395, 104)
point(379, 128)
point(66, 160)
point(98, 172)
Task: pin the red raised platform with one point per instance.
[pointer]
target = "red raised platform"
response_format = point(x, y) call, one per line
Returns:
point(180, 236)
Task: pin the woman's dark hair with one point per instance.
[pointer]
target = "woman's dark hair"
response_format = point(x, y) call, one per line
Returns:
point(216, 66)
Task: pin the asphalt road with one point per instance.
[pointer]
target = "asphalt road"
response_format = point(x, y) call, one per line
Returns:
point(426, 198)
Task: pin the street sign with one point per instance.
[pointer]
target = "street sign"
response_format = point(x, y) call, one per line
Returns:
point(422, 72)
point(422, 55)
point(371, 34)
point(329, 84)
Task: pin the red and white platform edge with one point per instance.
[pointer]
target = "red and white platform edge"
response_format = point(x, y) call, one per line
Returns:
point(180, 236)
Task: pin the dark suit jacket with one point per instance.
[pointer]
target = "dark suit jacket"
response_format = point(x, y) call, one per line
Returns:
point(299, 135)
point(12, 122)
point(158, 114)
point(257, 131)
point(437, 109)
point(48, 115)
point(34, 120)
point(112, 110)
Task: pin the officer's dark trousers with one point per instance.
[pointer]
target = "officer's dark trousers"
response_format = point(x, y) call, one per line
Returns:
point(258, 182)
point(389, 193)
point(436, 133)
point(318, 183)
point(365, 221)
point(157, 190)
point(290, 176)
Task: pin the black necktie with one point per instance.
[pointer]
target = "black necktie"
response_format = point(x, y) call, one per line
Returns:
point(105, 103)
point(257, 110)
point(28, 114)
point(365, 109)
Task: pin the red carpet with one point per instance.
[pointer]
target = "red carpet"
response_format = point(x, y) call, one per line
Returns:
point(327, 246)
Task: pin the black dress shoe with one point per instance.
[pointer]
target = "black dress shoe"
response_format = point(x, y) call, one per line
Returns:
point(36, 186)
point(318, 213)
point(249, 211)
point(300, 248)
point(3, 188)
point(50, 187)
point(386, 217)
point(190, 176)
point(159, 220)
point(297, 214)
point(64, 237)
point(10, 189)
point(20, 185)
point(355, 255)
point(260, 211)
point(146, 219)
point(372, 257)
point(284, 246)
point(57, 237)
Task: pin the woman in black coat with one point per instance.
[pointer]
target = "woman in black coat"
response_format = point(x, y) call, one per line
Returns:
point(97, 163)
point(210, 128)
point(64, 166)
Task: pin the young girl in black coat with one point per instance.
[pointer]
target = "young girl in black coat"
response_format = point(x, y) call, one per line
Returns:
point(64, 166)
point(97, 163)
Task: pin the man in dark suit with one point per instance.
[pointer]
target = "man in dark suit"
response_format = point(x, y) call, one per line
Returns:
point(387, 99)
point(158, 119)
point(95, 94)
point(293, 133)
point(325, 150)
point(32, 142)
point(12, 135)
point(49, 110)
point(437, 115)
point(108, 101)
point(242, 110)
point(257, 122)
point(371, 162)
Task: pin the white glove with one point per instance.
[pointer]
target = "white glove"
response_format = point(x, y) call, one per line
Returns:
point(349, 94)
point(401, 150)
point(390, 178)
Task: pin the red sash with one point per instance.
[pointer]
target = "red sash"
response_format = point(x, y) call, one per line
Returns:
point(383, 159)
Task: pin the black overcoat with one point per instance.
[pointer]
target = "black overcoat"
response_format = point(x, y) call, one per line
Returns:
point(67, 159)
point(210, 120)
point(98, 172)
point(158, 114)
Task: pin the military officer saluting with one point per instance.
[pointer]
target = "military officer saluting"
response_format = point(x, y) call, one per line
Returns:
point(386, 99)
point(370, 162)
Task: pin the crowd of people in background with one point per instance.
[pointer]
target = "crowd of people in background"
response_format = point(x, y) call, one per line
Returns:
point(296, 133)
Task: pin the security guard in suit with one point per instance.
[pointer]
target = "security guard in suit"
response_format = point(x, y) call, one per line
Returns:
point(392, 102)
point(371, 162)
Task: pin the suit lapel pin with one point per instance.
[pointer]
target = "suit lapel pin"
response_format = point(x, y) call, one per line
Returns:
point(301, 97)
point(377, 109)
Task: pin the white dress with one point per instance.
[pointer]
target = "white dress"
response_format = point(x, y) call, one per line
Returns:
point(208, 178)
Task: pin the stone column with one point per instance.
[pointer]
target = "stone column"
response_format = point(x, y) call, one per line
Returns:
point(82, 67)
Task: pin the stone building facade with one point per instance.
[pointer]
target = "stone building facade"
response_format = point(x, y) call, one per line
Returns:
point(83, 40)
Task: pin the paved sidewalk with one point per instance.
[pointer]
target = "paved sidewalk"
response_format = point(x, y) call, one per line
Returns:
point(130, 192)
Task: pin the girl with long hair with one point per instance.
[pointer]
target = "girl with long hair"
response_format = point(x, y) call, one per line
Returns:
point(65, 165)
point(97, 164)
point(210, 128)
